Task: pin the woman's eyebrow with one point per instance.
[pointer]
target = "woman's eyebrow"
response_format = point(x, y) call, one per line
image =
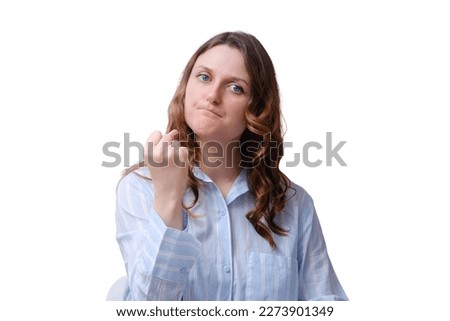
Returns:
point(240, 79)
point(231, 77)
point(203, 67)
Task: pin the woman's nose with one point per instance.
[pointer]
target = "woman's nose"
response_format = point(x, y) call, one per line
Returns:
point(213, 96)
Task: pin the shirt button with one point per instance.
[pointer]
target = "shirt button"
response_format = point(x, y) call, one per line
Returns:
point(183, 270)
point(226, 268)
point(222, 212)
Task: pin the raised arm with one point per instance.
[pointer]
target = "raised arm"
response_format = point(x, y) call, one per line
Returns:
point(157, 253)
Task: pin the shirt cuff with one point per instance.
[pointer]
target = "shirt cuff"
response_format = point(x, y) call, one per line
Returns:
point(177, 253)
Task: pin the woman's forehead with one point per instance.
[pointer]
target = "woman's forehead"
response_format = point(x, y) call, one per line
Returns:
point(223, 59)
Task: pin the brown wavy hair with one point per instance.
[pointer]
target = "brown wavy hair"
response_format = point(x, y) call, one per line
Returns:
point(261, 144)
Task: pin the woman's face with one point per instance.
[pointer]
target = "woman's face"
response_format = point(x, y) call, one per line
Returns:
point(217, 95)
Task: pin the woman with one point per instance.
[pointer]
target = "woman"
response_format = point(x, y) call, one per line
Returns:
point(210, 216)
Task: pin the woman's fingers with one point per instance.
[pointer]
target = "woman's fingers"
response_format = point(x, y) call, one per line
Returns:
point(161, 148)
point(149, 148)
point(154, 137)
point(169, 137)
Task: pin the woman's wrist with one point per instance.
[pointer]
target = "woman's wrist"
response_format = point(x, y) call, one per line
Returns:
point(170, 212)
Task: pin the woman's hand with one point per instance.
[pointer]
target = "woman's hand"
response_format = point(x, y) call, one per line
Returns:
point(168, 164)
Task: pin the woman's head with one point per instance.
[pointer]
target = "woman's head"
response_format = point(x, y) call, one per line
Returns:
point(218, 94)
point(262, 116)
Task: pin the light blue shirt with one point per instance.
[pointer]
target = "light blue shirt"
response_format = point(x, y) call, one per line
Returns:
point(219, 255)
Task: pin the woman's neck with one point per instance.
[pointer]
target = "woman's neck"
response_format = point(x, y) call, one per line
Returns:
point(221, 163)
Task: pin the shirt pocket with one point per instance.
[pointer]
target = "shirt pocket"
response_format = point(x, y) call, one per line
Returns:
point(271, 278)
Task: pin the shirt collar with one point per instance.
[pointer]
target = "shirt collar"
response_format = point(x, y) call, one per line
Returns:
point(238, 188)
point(200, 174)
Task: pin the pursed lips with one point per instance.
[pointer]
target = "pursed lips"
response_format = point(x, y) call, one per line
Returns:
point(210, 110)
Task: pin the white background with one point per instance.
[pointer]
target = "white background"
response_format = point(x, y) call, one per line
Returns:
point(77, 74)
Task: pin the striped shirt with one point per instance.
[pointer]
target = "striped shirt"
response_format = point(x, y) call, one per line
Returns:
point(219, 255)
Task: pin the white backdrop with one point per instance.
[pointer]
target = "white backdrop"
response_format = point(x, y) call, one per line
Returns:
point(77, 74)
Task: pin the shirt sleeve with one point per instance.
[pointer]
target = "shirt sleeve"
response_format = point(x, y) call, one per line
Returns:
point(317, 278)
point(157, 258)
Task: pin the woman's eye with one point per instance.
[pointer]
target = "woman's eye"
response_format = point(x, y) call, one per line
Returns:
point(237, 89)
point(203, 77)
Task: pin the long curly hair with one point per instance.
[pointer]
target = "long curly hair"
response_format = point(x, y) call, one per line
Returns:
point(261, 144)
